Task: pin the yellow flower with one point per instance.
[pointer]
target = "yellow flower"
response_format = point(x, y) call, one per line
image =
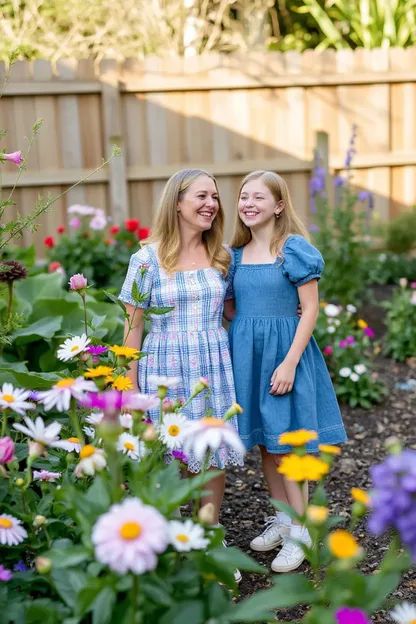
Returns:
point(329, 449)
point(100, 371)
point(122, 383)
point(362, 324)
point(323, 304)
point(127, 352)
point(317, 514)
point(343, 545)
point(306, 468)
point(109, 379)
point(298, 438)
point(360, 496)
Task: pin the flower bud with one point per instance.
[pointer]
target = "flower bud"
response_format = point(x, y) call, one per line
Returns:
point(20, 482)
point(40, 521)
point(206, 514)
point(316, 514)
point(149, 434)
point(43, 565)
point(403, 282)
point(78, 282)
point(36, 450)
point(201, 385)
point(233, 411)
point(393, 445)
point(6, 450)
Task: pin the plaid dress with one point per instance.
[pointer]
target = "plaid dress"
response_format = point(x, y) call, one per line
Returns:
point(189, 342)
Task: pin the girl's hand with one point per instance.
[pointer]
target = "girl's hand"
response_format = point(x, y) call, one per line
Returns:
point(283, 378)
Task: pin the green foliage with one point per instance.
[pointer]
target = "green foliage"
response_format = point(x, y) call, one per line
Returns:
point(401, 232)
point(401, 323)
point(389, 268)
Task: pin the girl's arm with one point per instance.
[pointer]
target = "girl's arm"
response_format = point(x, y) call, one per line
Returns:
point(284, 375)
point(133, 338)
point(229, 309)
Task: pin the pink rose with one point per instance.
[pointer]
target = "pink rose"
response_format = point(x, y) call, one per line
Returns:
point(15, 157)
point(77, 282)
point(6, 450)
point(75, 223)
point(328, 350)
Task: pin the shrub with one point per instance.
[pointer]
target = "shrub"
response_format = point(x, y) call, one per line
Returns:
point(401, 232)
point(388, 268)
point(401, 322)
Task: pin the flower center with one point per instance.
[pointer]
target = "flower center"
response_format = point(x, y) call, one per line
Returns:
point(210, 421)
point(5, 523)
point(87, 451)
point(65, 383)
point(130, 530)
point(74, 440)
point(182, 538)
point(8, 398)
point(129, 446)
point(74, 348)
point(173, 430)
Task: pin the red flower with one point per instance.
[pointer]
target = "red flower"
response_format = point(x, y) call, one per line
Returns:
point(131, 225)
point(49, 242)
point(109, 241)
point(143, 233)
point(114, 229)
point(54, 266)
point(129, 243)
point(85, 235)
point(60, 229)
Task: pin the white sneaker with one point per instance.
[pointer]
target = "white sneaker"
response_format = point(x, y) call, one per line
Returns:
point(291, 555)
point(237, 574)
point(272, 536)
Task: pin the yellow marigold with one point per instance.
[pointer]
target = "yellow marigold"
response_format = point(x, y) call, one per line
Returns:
point(109, 379)
point(360, 496)
point(127, 352)
point(298, 438)
point(323, 304)
point(317, 514)
point(343, 545)
point(362, 324)
point(329, 449)
point(314, 468)
point(100, 371)
point(122, 383)
point(306, 468)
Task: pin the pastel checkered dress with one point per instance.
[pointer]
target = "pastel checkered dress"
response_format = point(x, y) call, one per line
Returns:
point(189, 342)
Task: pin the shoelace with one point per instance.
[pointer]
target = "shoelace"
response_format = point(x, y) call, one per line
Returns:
point(269, 522)
point(288, 548)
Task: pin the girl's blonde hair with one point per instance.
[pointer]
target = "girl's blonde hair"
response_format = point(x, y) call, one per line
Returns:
point(288, 222)
point(165, 229)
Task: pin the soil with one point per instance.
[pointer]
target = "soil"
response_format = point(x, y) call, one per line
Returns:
point(246, 501)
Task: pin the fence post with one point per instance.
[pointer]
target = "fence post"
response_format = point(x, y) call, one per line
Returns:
point(322, 150)
point(111, 107)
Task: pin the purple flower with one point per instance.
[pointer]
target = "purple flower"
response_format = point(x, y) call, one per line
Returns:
point(313, 228)
point(97, 350)
point(5, 575)
point(345, 615)
point(181, 456)
point(20, 566)
point(350, 155)
point(339, 181)
point(368, 332)
point(6, 450)
point(343, 344)
point(363, 195)
point(33, 396)
point(312, 205)
point(109, 402)
point(393, 501)
point(350, 339)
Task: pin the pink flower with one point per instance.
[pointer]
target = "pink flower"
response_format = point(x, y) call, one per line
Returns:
point(99, 221)
point(413, 298)
point(45, 475)
point(368, 332)
point(343, 344)
point(15, 157)
point(345, 615)
point(328, 350)
point(403, 282)
point(350, 339)
point(77, 282)
point(75, 223)
point(413, 285)
point(6, 450)
point(129, 537)
point(5, 575)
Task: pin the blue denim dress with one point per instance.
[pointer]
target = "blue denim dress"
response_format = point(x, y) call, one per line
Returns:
point(261, 334)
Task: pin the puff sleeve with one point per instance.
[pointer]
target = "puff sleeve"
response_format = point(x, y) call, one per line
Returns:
point(302, 262)
point(141, 270)
point(229, 292)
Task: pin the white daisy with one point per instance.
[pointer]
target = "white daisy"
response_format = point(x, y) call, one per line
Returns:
point(126, 420)
point(141, 402)
point(337, 322)
point(351, 308)
point(404, 613)
point(163, 382)
point(89, 432)
point(186, 536)
point(94, 418)
point(92, 460)
point(15, 399)
point(354, 377)
point(173, 429)
point(44, 435)
point(360, 369)
point(11, 533)
point(331, 310)
point(59, 396)
point(331, 329)
point(45, 475)
point(72, 347)
point(70, 445)
point(131, 445)
point(210, 433)
point(345, 372)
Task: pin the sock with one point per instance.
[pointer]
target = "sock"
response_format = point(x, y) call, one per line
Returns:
point(299, 532)
point(284, 518)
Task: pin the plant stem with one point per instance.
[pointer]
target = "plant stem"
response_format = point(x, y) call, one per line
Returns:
point(4, 424)
point(10, 300)
point(134, 596)
point(75, 422)
point(85, 313)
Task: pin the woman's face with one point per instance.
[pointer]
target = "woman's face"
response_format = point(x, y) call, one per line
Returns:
point(256, 204)
point(199, 204)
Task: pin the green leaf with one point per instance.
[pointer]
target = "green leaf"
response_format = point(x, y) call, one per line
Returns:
point(97, 321)
point(159, 310)
point(234, 558)
point(103, 606)
point(380, 586)
point(67, 558)
point(52, 307)
point(287, 509)
point(68, 583)
point(34, 381)
point(188, 611)
point(45, 285)
point(45, 328)
point(114, 299)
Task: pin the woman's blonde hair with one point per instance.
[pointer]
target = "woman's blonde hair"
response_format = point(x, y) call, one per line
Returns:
point(165, 229)
point(286, 224)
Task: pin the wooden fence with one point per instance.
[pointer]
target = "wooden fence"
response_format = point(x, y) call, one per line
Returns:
point(227, 114)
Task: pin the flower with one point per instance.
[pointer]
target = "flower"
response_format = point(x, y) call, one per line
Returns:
point(45, 475)
point(43, 565)
point(186, 536)
point(346, 615)
point(84, 211)
point(59, 396)
point(180, 456)
point(403, 282)
point(94, 418)
point(328, 350)
point(77, 282)
point(11, 533)
point(97, 349)
point(233, 411)
point(114, 229)
point(109, 402)
point(206, 514)
point(48, 242)
point(131, 225)
point(343, 344)
point(6, 450)
point(350, 340)
point(354, 377)
point(360, 369)
point(173, 429)
point(362, 324)
point(345, 372)
point(404, 613)
point(126, 420)
point(129, 536)
point(305, 468)
point(14, 399)
point(127, 352)
point(368, 332)
point(12, 271)
point(99, 220)
point(298, 438)
point(351, 308)
point(317, 514)
point(201, 385)
point(70, 445)
point(92, 460)
point(131, 445)
point(331, 329)
point(72, 347)
point(5, 575)
point(141, 402)
point(45, 436)
point(413, 298)
point(75, 223)
point(331, 310)
point(122, 382)
point(55, 266)
point(210, 433)
point(20, 566)
point(143, 232)
point(14, 157)
point(342, 544)
point(39, 521)
point(163, 382)
point(329, 449)
point(99, 371)
point(60, 229)
point(360, 496)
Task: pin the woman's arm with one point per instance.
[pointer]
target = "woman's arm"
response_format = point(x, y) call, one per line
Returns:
point(284, 375)
point(229, 309)
point(133, 338)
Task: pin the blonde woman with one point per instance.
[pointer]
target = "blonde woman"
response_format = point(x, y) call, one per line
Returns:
point(281, 378)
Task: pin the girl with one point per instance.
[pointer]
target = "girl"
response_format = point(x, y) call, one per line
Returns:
point(281, 378)
point(184, 264)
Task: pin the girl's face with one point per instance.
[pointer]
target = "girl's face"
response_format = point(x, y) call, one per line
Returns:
point(199, 205)
point(256, 204)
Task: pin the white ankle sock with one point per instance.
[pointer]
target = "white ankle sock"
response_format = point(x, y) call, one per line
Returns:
point(284, 518)
point(299, 532)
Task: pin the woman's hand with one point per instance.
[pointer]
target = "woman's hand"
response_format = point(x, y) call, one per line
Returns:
point(283, 378)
